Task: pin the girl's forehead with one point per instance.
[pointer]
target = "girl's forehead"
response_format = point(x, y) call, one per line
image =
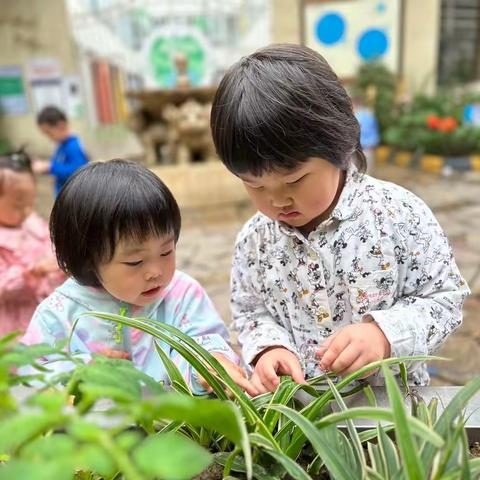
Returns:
point(135, 245)
point(277, 174)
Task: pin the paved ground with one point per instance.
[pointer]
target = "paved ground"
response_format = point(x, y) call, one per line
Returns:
point(204, 251)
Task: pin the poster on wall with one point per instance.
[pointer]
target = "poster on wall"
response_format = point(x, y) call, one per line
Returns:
point(349, 33)
point(46, 83)
point(13, 99)
point(166, 45)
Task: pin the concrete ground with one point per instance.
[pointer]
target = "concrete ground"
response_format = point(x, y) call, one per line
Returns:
point(208, 235)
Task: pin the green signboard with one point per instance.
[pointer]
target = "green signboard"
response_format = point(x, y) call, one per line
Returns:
point(161, 56)
point(13, 100)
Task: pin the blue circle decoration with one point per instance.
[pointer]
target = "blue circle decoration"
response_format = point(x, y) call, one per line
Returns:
point(381, 7)
point(330, 28)
point(372, 44)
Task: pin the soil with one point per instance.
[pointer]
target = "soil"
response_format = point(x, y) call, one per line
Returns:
point(475, 450)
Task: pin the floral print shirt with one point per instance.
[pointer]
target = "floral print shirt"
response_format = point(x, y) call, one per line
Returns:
point(381, 253)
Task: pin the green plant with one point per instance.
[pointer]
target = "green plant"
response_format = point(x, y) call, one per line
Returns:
point(270, 437)
point(376, 77)
point(433, 125)
point(48, 437)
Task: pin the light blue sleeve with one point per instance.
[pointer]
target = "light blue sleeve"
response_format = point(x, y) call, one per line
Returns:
point(51, 327)
point(196, 316)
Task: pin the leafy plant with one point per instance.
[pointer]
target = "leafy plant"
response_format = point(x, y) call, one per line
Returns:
point(433, 125)
point(377, 78)
point(149, 432)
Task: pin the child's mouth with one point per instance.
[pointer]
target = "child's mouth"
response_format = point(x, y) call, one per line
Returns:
point(151, 292)
point(285, 215)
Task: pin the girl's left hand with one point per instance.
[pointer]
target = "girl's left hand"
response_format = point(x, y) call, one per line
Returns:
point(236, 373)
point(112, 353)
point(353, 347)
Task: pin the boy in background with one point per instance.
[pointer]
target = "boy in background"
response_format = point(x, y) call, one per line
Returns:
point(69, 155)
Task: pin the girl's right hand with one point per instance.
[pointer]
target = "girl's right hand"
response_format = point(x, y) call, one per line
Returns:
point(272, 363)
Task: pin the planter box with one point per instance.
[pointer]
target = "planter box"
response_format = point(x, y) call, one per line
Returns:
point(444, 394)
point(427, 162)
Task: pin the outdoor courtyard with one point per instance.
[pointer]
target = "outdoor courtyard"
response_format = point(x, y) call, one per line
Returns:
point(208, 235)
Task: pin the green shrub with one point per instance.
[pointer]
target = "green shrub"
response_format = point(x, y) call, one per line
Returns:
point(150, 432)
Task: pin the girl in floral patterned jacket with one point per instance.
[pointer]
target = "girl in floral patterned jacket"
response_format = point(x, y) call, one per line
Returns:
point(336, 262)
point(115, 226)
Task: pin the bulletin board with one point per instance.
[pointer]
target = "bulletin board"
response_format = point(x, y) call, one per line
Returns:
point(349, 33)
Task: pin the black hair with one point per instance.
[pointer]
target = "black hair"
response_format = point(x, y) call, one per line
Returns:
point(51, 116)
point(102, 203)
point(18, 161)
point(280, 106)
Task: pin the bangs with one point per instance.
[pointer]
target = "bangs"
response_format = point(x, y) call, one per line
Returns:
point(142, 209)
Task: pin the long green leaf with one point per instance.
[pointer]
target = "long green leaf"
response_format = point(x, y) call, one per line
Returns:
point(388, 452)
point(378, 464)
point(456, 405)
point(176, 378)
point(381, 414)
point(328, 453)
point(283, 395)
point(312, 410)
point(291, 467)
point(456, 474)
point(217, 415)
point(403, 433)
point(354, 438)
point(157, 330)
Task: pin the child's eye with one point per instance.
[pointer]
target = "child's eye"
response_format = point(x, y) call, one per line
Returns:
point(166, 254)
point(132, 264)
point(298, 180)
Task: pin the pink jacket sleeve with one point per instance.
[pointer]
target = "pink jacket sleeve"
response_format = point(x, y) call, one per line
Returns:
point(14, 279)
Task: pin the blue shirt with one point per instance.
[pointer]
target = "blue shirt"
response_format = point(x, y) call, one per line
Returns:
point(369, 135)
point(68, 157)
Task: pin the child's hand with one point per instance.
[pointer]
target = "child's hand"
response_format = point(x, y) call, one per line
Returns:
point(353, 347)
point(44, 267)
point(236, 373)
point(272, 363)
point(40, 166)
point(111, 353)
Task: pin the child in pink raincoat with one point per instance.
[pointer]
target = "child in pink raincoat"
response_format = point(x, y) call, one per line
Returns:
point(28, 269)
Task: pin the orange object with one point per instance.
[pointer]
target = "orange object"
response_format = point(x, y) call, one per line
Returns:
point(433, 122)
point(448, 124)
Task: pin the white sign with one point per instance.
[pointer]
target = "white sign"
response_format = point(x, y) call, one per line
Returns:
point(349, 33)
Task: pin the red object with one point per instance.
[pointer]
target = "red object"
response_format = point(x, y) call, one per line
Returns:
point(448, 124)
point(103, 92)
point(433, 122)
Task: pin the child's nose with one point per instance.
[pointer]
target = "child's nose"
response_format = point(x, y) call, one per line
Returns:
point(153, 272)
point(281, 201)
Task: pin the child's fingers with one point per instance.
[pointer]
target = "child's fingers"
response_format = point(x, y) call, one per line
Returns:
point(357, 365)
point(268, 376)
point(245, 385)
point(337, 346)
point(204, 384)
point(111, 353)
point(293, 368)
point(257, 384)
point(346, 359)
point(326, 344)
